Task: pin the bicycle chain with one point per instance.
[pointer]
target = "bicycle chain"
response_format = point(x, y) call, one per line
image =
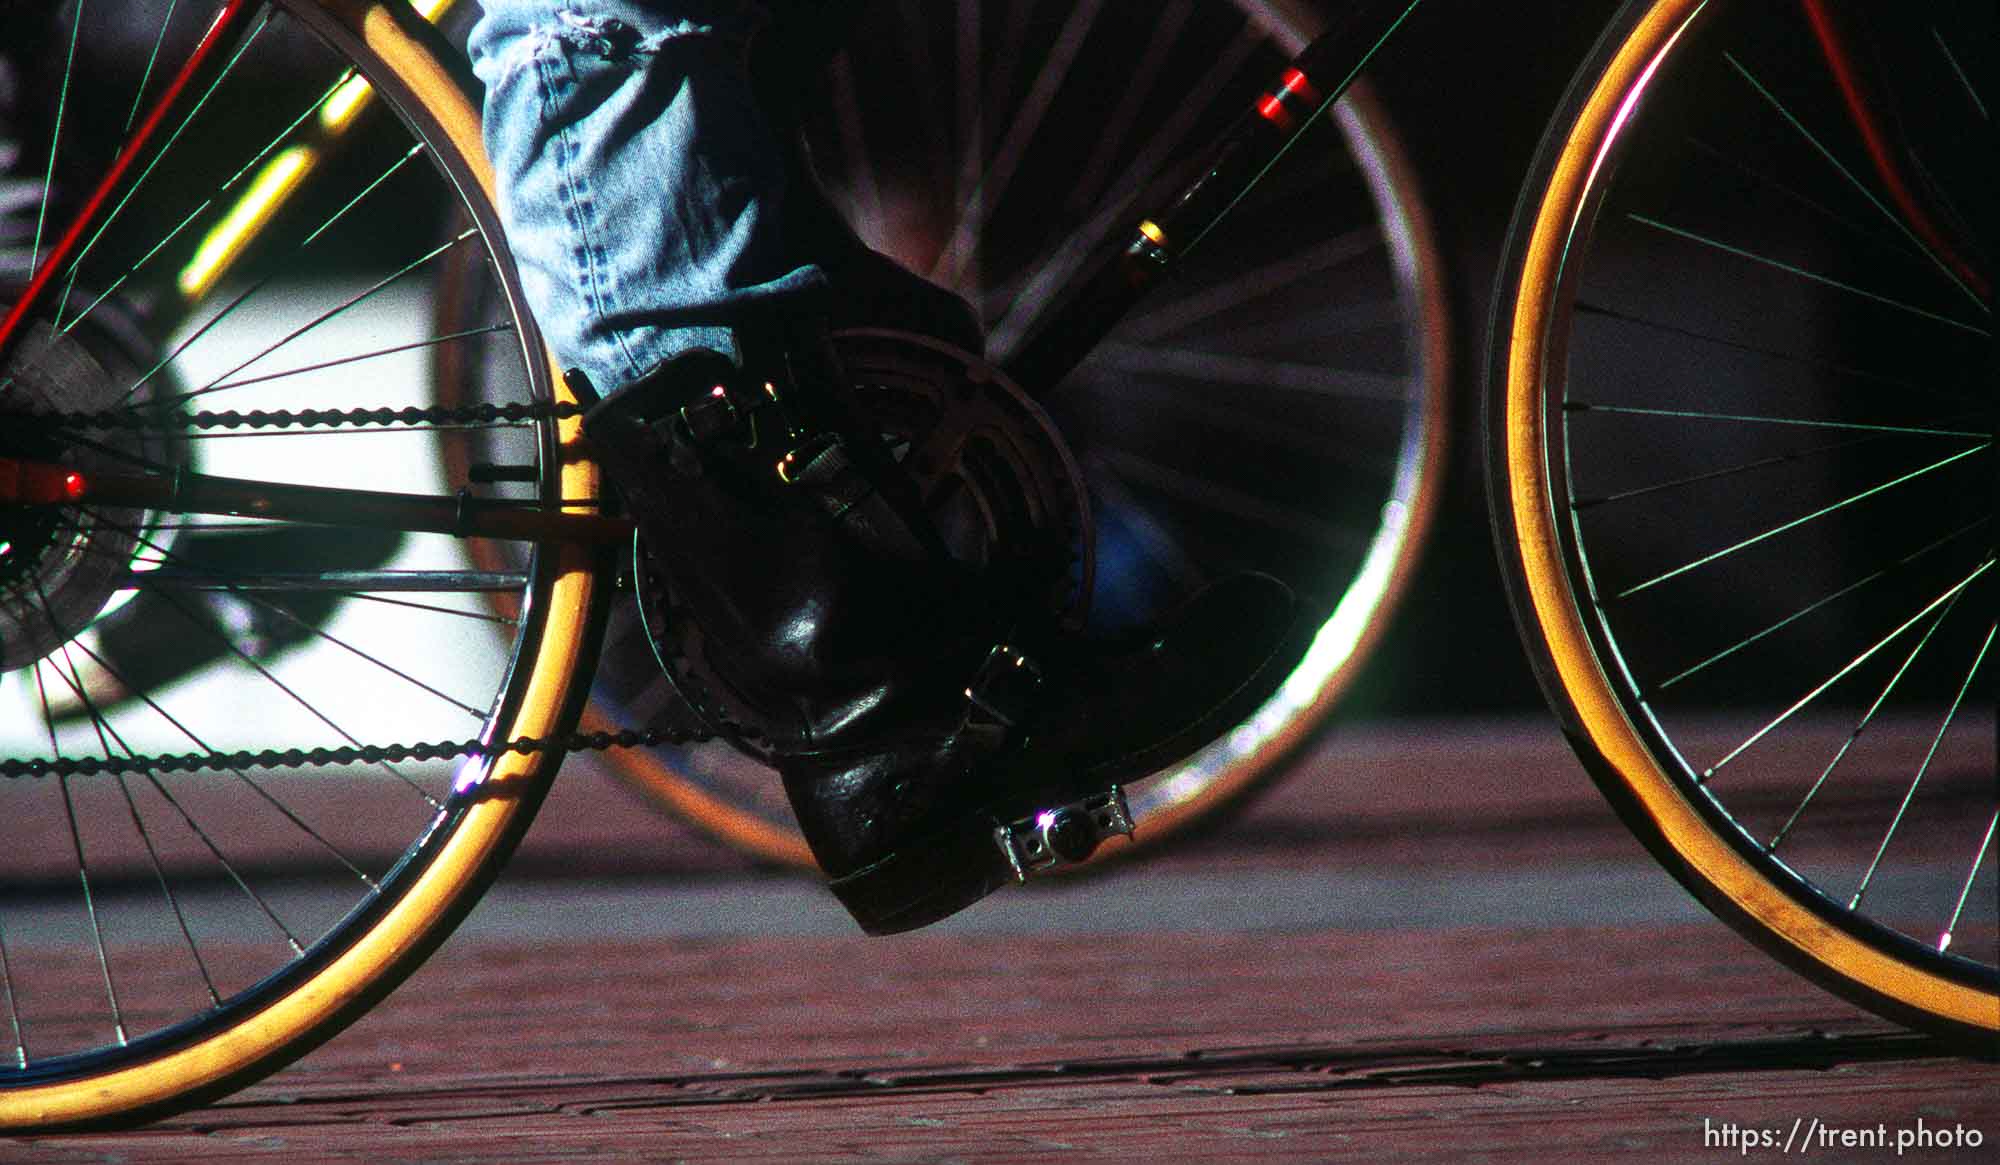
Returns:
point(413, 416)
point(435, 415)
point(194, 762)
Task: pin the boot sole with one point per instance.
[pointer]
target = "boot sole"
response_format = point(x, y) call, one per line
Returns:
point(952, 868)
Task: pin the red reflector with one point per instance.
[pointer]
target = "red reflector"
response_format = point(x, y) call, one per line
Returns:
point(1295, 84)
point(37, 483)
point(1273, 111)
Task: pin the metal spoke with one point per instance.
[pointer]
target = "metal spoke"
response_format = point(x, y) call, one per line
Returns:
point(1971, 875)
point(1117, 127)
point(1210, 495)
point(141, 263)
point(1860, 187)
point(341, 583)
point(200, 579)
point(395, 168)
point(228, 867)
point(1764, 178)
point(195, 337)
point(1207, 414)
point(399, 673)
point(265, 794)
point(1069, 255)
point(152, 60)
point(1808, 609)
point(962, 243)
point(1856, 662)
point(13, 1004)
point(90, 909)
point(56, 137)
point(971, 122)
point(863, 190)
point(1801, 272)
point(1833, 368)
point(1797, 422)
point(481, 616)
point(1317, 259)
point(1867, 718)
point(222, 635)
point(76, 840)
point(1851, 500)
point(224, 313)
point(103, 725)
point(83, 253)
point(117, 454)
point(345, 305)
point(1579, 505)
point(173, 900)
point(1903, 809)
point(358, 357)
point(1013, 28)
point(1958, 71)
point(1254, 371)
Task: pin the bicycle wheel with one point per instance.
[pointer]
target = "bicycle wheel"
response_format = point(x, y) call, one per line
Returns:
point(255, 770)
point(1741, 423)
point(1306, 342)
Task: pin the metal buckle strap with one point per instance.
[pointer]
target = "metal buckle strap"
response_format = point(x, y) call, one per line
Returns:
point(1064, 836)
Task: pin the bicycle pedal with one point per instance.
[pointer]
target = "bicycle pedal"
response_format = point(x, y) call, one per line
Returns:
point(1064, 836)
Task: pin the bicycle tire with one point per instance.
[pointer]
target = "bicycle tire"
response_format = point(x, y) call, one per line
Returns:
point(419, 856)
point(1736, 560)
point(1343, 525)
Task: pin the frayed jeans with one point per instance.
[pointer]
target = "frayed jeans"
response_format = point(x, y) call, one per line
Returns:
point(641, 186)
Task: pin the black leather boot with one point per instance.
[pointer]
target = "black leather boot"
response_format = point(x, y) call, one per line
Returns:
point(906, 847)
point(810, 617)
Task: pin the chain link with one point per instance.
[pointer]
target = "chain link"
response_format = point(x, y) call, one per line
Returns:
point(436, 415)
point(194, 762)
point(162, 420)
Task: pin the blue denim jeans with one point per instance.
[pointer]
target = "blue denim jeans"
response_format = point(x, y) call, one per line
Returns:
point(641, 186)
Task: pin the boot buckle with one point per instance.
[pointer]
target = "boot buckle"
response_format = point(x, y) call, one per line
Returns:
point(1063, 836)
point(711, 416)
point(818, 460)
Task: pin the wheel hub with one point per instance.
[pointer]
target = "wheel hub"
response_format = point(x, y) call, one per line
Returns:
point(61, 566)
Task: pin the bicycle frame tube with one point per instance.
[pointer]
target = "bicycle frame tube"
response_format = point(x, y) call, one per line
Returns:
point(1299, 98)
point(37, 483)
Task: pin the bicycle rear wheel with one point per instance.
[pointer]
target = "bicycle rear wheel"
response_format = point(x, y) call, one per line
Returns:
point(1741, 421)
point(1306, 342)
point(256, 770)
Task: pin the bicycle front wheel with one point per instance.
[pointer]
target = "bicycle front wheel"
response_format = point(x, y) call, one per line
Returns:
point(255, 770)
point(1741, 420)
point(1306, 342)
